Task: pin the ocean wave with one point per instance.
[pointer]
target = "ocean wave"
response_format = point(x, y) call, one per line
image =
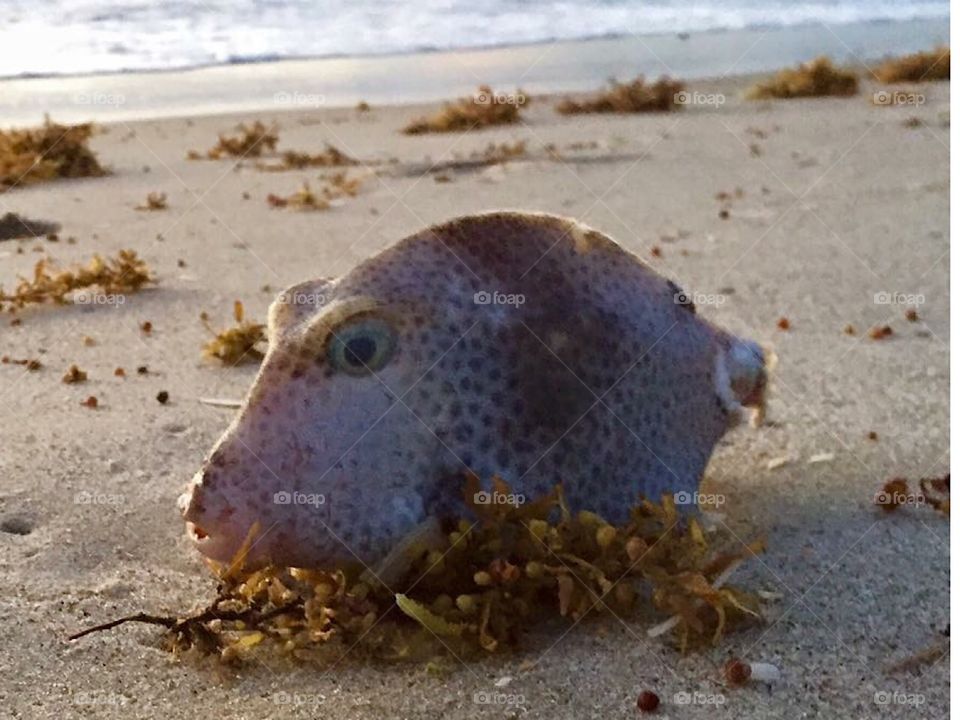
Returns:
point(56, 37)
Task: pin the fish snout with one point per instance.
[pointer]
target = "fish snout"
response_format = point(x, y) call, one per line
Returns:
point(213, 524)
point(745, 366)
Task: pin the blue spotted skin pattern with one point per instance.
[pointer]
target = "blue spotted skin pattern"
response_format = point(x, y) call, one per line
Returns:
point(582, 369)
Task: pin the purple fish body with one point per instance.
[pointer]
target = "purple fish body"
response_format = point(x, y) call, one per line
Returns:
point(520, 345)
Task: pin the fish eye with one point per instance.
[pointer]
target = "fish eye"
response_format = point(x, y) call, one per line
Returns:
point(362, 346)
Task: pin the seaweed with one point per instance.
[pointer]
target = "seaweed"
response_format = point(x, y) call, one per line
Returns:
point(126, 273)
point(498, 154)
point(636, 96)
point(49, 152)
point(31, 364)
point(155, 201)
point(259, 141)
point(250, 141)
point(335, 187)
point(302, 199)
point(74, 375)
point(480, 588)
point(236, 344)
point(817, 78)
point(295, 160)
point(919, 67)
point(483, 109)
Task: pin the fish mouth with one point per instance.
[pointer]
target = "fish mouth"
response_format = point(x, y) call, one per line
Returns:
point(196, 533)
point(206, 535)
point(219, 548)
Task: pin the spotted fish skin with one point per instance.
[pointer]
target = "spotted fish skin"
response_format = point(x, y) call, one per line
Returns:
point(520, 345)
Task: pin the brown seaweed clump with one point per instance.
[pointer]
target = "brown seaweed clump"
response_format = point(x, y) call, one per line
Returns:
point(155, 201)
point(126, 273)
point(238, 343)
point(249, 141)
point(481, 588)
point(498, 154)
point(49, 152)
point(335, 187)
point(919, 67)
point(817, 78)
point(636, 96)
point(295, 160)
point(485, 108)
point(258, 141)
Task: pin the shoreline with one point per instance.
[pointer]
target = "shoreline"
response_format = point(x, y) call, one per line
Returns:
point(266, 59)
point(398, 79)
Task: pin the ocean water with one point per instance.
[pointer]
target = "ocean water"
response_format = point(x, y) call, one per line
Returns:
point(70, 37)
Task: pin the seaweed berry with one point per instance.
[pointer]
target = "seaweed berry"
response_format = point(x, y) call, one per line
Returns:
point(648, 701)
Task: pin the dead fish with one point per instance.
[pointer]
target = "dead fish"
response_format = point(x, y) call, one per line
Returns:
point(521, 345)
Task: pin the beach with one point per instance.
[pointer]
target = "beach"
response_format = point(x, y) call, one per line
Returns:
point(822, 212)
point(412, 77)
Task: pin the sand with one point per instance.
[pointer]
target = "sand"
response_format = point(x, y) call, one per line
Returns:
point(840, 201)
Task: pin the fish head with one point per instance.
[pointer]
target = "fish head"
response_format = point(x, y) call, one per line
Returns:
point(321, 466)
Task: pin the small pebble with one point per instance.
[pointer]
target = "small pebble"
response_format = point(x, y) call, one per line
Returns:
point(16, 526)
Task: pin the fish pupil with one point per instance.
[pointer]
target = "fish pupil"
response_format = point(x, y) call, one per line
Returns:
point(359, 351)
